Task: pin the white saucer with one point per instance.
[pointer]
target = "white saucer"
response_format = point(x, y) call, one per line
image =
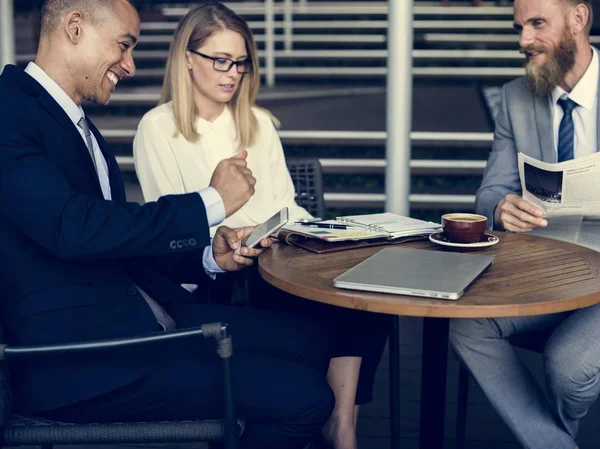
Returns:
point(487, 240)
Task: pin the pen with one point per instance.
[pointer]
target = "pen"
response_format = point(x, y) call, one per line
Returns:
point(324, 225)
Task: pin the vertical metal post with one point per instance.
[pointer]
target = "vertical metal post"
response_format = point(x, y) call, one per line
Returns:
point(288, 23)
point(7, 35)
point(269, 43)
point(225, 351)
point(394, 353)
point(399, 106)
point(433, 383)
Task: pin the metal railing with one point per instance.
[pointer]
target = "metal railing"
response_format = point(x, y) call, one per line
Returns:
point(372, 137)
point(7, 35)
point(301, 7)
point(332, 166)
point(346, 200)
point(360, 166)
point(289, 9)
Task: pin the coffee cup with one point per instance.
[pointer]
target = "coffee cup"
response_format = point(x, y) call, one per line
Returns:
point(464, 228)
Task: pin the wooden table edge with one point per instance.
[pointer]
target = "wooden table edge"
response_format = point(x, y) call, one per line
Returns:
point(441, 309)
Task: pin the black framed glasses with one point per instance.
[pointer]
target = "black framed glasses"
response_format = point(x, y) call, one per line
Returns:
point(225, 64)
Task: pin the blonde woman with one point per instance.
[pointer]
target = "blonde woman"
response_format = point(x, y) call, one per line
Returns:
point(207, 113)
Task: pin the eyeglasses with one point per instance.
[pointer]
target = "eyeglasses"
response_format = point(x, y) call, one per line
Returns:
point(225, 64)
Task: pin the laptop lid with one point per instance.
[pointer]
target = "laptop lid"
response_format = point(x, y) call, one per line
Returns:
point(415, 272)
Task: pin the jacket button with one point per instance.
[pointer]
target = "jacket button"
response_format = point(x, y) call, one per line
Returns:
point(173, 244)
point(132, 290)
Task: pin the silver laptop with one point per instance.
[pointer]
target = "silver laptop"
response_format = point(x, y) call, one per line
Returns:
point(415, 272)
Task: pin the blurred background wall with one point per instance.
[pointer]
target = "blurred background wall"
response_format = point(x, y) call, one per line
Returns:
point(328, 89)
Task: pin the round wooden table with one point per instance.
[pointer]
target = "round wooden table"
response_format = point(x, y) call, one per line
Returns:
point(530, 276)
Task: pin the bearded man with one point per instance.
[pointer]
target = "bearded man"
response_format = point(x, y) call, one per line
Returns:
point(550, 114)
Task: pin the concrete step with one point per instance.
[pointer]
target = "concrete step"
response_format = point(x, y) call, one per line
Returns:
point(147, 39)
point(289, 74)
point(149, 96)
point(356, 8)
point(258, 26)
point(122, 130)
point(160, 56)
point(346, 166)
point(477, 39)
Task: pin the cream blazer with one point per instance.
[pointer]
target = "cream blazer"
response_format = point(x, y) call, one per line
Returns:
point(168, 164)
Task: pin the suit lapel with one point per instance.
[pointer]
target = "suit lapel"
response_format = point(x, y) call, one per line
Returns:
point(80, 153)
point(543, 120)
point(63, 119)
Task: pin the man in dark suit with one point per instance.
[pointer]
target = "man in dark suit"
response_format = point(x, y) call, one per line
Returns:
point(80, 263)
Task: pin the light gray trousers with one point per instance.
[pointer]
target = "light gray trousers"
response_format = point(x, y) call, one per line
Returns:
point(571, 366)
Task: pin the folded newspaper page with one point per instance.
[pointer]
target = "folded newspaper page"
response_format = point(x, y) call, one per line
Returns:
point(564, 188)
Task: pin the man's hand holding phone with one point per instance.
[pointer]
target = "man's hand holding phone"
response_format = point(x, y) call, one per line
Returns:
point(227, 241)
point(265, 229)
point(233, 249)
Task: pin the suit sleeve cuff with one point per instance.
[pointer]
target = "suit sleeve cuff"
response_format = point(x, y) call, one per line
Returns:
point(209, 262)
point(213, 203)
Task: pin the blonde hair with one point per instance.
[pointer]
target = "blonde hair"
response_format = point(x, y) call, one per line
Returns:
point(191, 33)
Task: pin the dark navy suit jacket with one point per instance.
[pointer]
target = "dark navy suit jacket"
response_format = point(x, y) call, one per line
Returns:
point(71, 260)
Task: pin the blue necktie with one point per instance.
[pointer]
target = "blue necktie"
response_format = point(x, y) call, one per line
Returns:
point(566, 130)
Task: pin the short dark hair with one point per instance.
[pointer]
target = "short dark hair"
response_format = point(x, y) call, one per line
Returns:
point(54, 10)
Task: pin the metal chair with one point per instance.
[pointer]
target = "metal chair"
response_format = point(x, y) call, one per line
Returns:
point(308, 181)
point(26, 430)
point(532, 341)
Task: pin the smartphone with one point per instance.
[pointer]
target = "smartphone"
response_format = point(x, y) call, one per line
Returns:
point(265, 229)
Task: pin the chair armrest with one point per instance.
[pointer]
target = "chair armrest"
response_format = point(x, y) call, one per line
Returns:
point(217, 331)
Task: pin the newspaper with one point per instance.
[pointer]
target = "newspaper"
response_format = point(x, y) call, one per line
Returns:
point(562, 189)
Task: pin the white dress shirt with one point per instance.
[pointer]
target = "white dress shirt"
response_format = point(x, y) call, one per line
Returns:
point(585, 114)
point(167, 163)
point(213, 202)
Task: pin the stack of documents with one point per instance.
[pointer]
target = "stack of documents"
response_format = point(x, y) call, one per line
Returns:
point(390, 225)
point(361, 227)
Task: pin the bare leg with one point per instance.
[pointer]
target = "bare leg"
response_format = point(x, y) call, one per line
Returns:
point(340, 429)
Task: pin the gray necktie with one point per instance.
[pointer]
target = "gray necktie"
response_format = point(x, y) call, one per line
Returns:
point(83, 124)
point(162, 317)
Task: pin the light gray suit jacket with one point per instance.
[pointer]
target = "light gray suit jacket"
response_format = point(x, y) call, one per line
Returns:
point(524, 123)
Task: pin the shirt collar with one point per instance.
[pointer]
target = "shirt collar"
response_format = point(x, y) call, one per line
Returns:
point(222, 120)
point(60, 96)
point(585, 91)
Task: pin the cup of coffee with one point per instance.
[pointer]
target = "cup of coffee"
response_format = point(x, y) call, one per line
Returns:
point(464, 228)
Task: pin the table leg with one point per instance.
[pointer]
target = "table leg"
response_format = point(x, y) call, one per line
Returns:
point(433, 383)
point(394, 357)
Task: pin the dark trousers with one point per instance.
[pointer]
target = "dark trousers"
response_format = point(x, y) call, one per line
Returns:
point(278, 368)
point(352, 333)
